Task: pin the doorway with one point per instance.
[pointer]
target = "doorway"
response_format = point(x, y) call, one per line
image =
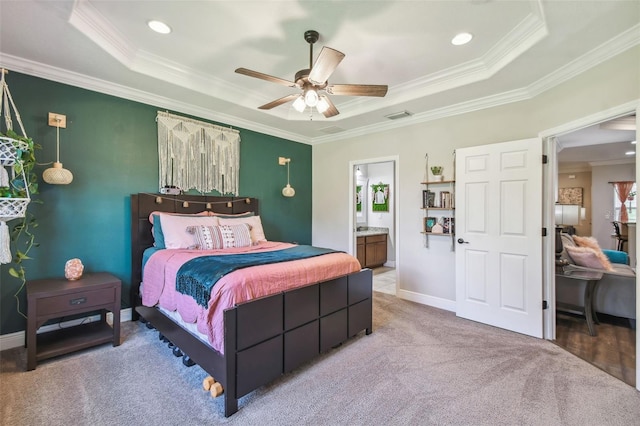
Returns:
point(373, 217)
point(589, 160)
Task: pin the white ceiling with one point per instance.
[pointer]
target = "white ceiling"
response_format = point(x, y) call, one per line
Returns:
point(520, 49)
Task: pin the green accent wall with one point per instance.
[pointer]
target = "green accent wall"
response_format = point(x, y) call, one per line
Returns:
point(110, 146)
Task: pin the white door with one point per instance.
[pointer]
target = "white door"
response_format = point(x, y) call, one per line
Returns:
point(498, 235)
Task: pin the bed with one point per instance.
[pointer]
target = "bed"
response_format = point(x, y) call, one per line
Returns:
point(264, 337)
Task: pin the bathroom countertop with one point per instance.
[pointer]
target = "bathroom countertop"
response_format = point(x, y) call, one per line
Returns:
point(366, 231)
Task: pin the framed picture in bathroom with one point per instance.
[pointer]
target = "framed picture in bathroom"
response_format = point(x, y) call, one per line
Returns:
point(380, 197)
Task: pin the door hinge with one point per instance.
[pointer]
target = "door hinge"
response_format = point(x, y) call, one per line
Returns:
point(544, 232)
point(545, 305)
point(545, 159)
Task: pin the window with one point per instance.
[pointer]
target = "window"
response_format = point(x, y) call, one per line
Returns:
point(630, 203)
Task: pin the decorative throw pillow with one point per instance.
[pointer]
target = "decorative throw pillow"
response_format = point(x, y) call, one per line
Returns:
point(586, 242)
point(220, 237)
point(254, 222)
point(588, 257)
point(592, 243)
point(174, 229)
point(156, 228)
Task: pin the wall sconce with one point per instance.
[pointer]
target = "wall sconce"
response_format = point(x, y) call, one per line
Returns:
point(57, 175)
point(287, 191)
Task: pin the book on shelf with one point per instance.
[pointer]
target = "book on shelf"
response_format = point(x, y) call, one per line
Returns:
point(428, 198)
point(448, 225)
point(445, 199)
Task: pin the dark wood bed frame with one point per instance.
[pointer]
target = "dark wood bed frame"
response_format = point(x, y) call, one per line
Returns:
point(265, 337)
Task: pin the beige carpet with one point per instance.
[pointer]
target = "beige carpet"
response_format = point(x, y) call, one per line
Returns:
point(420, 366)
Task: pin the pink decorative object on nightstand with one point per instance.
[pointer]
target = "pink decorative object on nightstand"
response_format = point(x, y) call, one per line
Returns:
point(73, 269)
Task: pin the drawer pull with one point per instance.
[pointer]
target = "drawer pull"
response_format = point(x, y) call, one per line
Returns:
point(78, 301)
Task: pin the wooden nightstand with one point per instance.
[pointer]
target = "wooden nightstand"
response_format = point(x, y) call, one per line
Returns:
point(58, 297)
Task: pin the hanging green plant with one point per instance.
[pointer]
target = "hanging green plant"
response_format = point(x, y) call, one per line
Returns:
point(21, 185)
point(17, 182)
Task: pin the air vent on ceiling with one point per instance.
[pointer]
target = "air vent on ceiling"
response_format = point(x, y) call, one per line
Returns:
point(397, 115)
point(332, 129)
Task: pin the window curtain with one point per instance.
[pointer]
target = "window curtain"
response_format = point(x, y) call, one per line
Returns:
point(622, 190)
point(197, 155)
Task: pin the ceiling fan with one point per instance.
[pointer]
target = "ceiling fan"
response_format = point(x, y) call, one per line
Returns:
point(314, 84)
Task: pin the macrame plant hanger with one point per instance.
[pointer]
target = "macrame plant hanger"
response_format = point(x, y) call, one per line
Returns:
point(10, 157)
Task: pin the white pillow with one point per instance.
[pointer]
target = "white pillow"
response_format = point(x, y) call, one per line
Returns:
point(175, 232)
point(257, 233)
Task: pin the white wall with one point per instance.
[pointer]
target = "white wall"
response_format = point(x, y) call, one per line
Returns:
point(427, 275)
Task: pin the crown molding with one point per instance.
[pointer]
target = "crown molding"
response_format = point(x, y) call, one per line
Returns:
point(630, 160)
point(88, 20)
point(59, 75)
point(606, 51)
point(600, 54)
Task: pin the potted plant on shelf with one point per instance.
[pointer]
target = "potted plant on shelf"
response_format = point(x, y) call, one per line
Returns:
point(437, 173)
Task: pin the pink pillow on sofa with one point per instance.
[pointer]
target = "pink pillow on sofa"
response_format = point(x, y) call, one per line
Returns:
point(589, 258)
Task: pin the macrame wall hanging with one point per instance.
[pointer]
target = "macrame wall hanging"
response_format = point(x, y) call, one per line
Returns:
point(196, 155)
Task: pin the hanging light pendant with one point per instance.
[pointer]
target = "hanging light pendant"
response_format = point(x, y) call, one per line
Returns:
point(287, 191)
point(57, 175)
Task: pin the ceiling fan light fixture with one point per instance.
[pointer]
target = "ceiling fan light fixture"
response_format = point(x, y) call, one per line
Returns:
point(322, 105)
point(299, 104)
point(461, 38)
point(311, 97)
point(159, 27)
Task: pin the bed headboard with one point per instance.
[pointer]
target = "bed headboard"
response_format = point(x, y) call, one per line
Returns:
point(142, 204)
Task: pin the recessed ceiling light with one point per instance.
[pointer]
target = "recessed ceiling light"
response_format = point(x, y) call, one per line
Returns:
point(634, 142)
point(630, 153)
point(462, 38)
point(159, 27)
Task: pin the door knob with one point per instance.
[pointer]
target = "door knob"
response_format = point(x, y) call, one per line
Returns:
point(461, 241)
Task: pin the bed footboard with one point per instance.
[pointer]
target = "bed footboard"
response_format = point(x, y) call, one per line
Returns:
point(267, 337)
point(274, 335)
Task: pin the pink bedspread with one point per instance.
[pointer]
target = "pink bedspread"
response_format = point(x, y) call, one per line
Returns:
point(159, 283)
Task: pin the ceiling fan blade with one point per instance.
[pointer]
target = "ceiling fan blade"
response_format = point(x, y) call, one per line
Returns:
point(279, 102)
point(266, 77)
point(332, 110)
point(325, 65)
point(357, 89)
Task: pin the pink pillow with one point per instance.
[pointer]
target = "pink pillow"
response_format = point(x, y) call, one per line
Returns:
point(174, 228)
point(588, 257)
point(257, 233)
point(159, 213)
point(587, 242)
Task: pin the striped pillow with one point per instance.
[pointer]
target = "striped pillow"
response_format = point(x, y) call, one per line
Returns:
point(220, 237)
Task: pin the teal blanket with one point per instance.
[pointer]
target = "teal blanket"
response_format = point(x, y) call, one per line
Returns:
point(197, 277)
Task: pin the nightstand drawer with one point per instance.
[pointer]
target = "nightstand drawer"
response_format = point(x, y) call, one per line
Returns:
point(78, 302)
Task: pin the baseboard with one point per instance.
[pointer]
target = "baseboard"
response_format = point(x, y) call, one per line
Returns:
point(436, 302)
point(17, 339)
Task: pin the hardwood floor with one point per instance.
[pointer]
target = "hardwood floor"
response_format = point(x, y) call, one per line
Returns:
point(612, 350)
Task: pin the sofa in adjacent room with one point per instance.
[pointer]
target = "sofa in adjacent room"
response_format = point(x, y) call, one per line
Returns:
point(616, 291)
